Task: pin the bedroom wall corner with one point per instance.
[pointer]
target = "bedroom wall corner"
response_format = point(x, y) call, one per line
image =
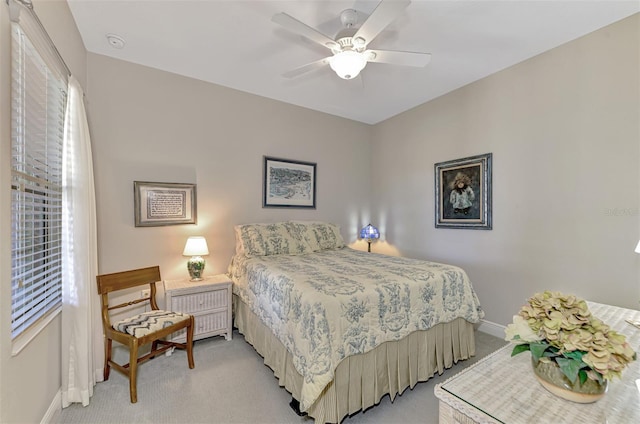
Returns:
point(563, 128)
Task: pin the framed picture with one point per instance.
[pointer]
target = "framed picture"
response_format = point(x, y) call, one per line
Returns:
point(159, 204)
point(288, 184)
point(463, 193)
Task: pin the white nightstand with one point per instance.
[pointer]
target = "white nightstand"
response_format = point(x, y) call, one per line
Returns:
point(209, 301)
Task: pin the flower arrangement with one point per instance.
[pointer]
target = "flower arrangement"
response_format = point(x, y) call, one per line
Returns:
point(560, 328)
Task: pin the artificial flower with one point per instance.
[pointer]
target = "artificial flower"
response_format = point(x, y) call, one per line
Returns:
point(560, 328)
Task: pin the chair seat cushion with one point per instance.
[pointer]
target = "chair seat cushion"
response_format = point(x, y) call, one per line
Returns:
point(149, 322)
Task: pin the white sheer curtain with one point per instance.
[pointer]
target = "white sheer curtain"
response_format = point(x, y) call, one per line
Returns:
point(82, 342)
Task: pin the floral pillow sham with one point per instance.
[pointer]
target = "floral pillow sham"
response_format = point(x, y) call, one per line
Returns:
point(320, 235)
point(286, 238)
point(268, 239)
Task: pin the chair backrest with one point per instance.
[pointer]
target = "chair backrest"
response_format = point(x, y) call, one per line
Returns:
point(108, 283)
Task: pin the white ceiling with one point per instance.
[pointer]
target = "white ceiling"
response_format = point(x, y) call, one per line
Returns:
point(235, 44)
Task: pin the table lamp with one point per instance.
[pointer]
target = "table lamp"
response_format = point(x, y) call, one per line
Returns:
point(369, 233)
point(638, 248)
point(196, 247)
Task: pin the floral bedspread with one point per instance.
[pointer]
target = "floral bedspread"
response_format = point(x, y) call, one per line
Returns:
point(328, 305)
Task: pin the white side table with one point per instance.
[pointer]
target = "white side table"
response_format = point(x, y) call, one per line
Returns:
point(503, 389)
point(209, 301)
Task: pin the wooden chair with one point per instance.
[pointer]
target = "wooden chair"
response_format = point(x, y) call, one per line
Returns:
point(148, 327)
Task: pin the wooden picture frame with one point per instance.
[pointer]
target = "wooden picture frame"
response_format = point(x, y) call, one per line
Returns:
point(288, 184)
point(159, 204)
point(463, 193)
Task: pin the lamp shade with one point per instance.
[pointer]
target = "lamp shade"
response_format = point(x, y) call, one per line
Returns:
point(638, 248)
point(196, 246)
point(348, 64)
point(369, 232)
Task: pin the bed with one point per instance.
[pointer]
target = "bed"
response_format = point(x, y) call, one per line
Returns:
point(341, 328)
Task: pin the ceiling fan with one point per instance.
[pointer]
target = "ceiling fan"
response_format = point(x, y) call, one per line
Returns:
point(349, 47)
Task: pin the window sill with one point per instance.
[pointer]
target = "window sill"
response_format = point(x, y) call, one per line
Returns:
point(22, 340)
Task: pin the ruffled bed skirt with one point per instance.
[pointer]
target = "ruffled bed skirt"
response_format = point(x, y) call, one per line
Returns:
point(362, 380)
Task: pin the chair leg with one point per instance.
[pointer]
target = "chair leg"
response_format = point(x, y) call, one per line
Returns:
point(154, 347)
point(190, 343)
point(133, 371)
point(107, 358)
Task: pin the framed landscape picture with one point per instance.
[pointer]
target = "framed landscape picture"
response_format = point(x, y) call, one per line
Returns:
point(158, 204)
point(288, 184)
point(463, 193)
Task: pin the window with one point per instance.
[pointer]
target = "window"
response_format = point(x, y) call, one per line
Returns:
point(37, 130)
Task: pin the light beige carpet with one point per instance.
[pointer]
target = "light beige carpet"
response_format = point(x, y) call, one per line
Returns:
point(230, 384)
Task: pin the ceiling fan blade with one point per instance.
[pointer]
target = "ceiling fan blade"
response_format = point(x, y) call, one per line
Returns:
point(294, 25)
point(399, 58)
point(383, 15)
point(306, 68)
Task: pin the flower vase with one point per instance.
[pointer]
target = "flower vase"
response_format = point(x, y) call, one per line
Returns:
point(552, 378)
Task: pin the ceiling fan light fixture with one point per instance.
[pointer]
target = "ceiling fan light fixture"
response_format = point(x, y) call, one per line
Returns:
point(348, 64)
point(332, 45)
point(359, 43)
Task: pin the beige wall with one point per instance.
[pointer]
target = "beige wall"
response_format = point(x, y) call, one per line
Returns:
point(150, 125)
point(564, 131)
point(30, 380)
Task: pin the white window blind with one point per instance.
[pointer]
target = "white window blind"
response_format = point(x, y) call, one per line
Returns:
point(38, 106)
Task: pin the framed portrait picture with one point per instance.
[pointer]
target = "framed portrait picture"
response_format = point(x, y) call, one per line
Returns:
point(463, 193)
point(157, 204)
point(288, 184)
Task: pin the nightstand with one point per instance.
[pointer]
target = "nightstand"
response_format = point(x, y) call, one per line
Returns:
point(209, 301)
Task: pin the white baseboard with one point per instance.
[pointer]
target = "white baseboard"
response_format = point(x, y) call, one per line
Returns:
point(54, 408)
point(492, 328)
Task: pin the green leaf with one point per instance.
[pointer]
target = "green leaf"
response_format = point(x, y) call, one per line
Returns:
point(570, 368)
point(553, 349)
point(583, 376)
point(519, 349)
point(574, 354)
point(537, 350)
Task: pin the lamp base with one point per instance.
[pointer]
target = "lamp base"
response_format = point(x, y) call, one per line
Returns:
point(195, 265)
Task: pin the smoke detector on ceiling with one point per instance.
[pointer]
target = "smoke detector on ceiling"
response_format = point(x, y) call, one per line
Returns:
point(115, 41)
